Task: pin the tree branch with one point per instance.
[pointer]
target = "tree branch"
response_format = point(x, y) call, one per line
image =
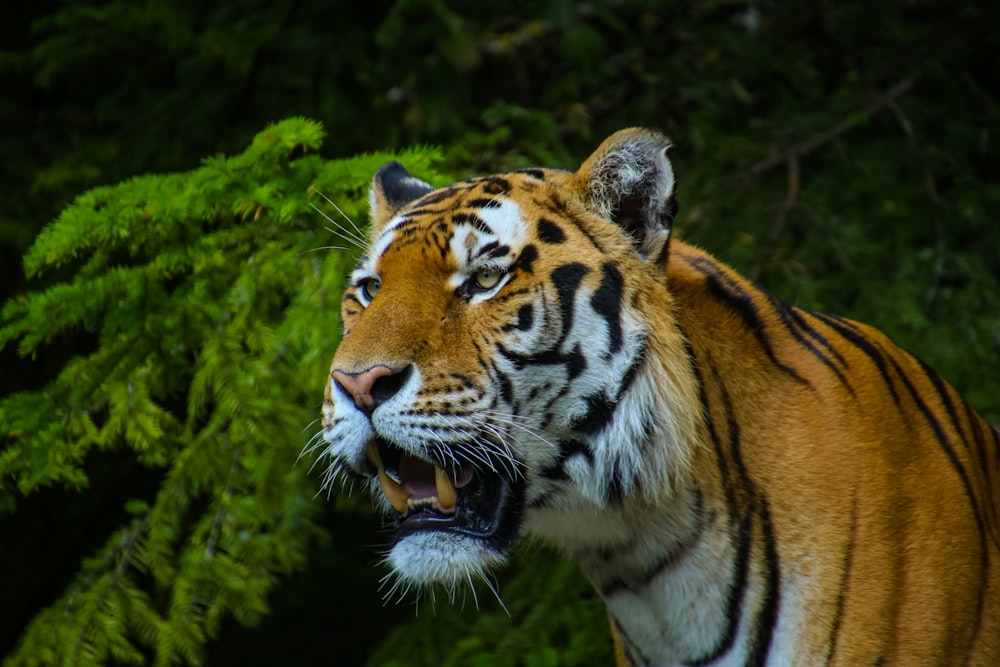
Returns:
point(885, 99)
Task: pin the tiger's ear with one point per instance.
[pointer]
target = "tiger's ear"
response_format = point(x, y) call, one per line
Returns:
point(393, 188)
point(629, 181)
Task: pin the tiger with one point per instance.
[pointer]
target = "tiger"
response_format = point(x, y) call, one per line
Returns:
point(741, 481)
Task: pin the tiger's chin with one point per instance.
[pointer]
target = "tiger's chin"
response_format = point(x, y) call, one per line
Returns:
point(451, 524)
point(437, 557)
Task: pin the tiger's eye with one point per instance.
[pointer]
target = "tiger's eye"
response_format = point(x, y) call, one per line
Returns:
point(487, 279)
point(371, 287)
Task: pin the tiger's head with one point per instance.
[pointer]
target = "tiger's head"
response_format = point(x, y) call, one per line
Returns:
point(509, 362)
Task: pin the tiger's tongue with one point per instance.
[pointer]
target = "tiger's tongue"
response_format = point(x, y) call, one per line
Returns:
point(419, 480)
point(417, 477)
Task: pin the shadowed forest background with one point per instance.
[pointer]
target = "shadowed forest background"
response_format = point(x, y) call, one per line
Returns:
point(171, 281)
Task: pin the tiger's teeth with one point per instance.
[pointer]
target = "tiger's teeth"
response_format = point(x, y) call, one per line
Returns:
point(371, 453)
point(393, 490)
point(447, 495)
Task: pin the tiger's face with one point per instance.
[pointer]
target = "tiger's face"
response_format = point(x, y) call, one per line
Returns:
point(495, 373)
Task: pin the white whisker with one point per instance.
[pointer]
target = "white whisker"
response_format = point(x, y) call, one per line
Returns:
point(344, 215)
point(472, 587)
point(355, 237)
point(328, 247)
point(495, 588)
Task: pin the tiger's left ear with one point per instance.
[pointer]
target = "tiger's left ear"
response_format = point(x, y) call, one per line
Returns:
point(392, 188)
point(629, 181)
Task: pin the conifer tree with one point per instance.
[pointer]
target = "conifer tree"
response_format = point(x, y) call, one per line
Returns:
point(212, 298)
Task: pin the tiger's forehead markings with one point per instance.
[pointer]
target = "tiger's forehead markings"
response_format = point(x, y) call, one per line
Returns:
point(480, 227)
point(492, 231)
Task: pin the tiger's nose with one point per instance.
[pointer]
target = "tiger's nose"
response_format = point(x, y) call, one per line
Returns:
point(373, 387)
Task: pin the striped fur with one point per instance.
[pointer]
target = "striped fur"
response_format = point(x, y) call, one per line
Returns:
point(742, 481)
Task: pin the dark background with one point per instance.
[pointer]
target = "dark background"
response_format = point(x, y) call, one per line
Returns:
point(841, 153)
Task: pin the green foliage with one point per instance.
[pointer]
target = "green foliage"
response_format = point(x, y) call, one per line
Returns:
point(178, 327)
point(212, 304)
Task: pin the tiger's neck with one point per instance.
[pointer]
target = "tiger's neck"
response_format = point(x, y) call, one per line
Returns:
point(668, 565)
point(668, 574)
point(685, 574)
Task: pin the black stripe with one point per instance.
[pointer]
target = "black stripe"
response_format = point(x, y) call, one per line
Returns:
point(766, 618)
point(573, 448)
point(441, 195)
point(493, 185)
point(491, 249)
point(482, 203)
point(817, 336)
point(666, 561)
point(525, 318)
point(799, 329)
point(473, 220)
point(426, 210)
point(943, 394)
point(505, 387)
point(574, 361)
point(600, 411)
point(607, 302)
point(726, 290)
point(739, 528)
point(526, 259)
point(976, 425)
point(634, 655)
point(567, 279)
point(942, 439)
point(845, 579)
point(409, 226)
point(979, 440)
point(534, 173)
point(856, 338)
point(558, 206)
point(549, 232)
point(974, 439)
point(752, 509)
point(630, 374)
point(504, 297)
point(946, 447)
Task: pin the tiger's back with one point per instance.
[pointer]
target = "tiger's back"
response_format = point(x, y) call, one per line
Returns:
point(871, 483)
point(742, 482)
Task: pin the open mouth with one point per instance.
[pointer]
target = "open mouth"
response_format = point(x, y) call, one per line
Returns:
point(465, 500)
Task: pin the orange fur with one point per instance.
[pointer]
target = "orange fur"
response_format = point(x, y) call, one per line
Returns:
point(858, 488)
point(897, 522)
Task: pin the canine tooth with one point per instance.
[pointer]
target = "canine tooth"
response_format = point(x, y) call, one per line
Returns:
point(393, 490)
point(446, 490)
point(371, 453)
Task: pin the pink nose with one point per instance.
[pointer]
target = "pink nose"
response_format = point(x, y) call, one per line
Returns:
point(365, 387)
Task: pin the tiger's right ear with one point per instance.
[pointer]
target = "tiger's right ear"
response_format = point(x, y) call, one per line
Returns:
point(629, 182)
point(393, 188)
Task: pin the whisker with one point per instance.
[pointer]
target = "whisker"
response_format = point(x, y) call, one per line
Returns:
point(314, 443)
point(341, 212)
point(328, 247)
point(499, 448)
point(512, 421)
point(472, 587)
point(495, 588)
point(354, 237)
